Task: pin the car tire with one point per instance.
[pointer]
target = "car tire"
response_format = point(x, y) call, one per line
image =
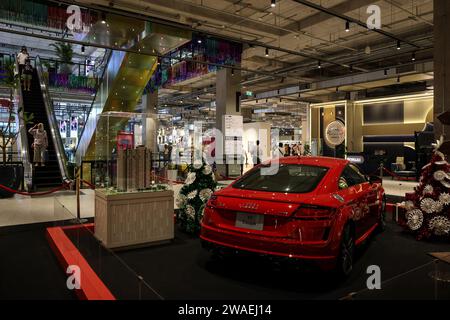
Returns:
point(346, 256)
point(382, 218)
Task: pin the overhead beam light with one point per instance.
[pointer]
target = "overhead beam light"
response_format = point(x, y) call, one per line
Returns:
point(347, 26)
point(273, 3)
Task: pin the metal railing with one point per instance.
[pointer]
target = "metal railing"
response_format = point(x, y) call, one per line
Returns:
point(61, 156)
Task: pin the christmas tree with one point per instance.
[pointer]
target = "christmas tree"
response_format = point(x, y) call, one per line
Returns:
point(198, 188)
point(428, 208)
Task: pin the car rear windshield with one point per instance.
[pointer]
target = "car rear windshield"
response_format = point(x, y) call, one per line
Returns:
point(290, 178)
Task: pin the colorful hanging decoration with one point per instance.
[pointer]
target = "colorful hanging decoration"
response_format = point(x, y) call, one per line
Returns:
point(205, 54)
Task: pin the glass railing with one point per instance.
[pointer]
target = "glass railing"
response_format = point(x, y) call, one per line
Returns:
point(118, 276)
point(54, 128)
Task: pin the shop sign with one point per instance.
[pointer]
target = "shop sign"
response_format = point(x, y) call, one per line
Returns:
point(335, 133)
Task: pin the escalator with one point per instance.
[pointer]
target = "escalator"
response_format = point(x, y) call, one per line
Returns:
point(50, 175)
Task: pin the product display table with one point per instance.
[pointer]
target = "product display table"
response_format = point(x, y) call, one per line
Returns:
point(133, 218)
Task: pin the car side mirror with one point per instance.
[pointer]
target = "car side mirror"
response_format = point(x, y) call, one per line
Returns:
point(375, 179)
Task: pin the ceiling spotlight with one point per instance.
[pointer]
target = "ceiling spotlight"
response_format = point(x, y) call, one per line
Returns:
point(82, 49)
point(347, 26)
point(337, 89)
point(385, 72)
point(199, 41)
point(319, 64)
point(198, 98)
point(103, 17)
point(413, 58)
point(399, 45)
point(267, 52)
point(273, 3)
point(367, 50)
point(232, 71)
point(398, 79)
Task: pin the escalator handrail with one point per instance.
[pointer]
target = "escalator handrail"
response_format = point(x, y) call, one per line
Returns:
point(101, 79)
point(24, 152)
point(54, 129)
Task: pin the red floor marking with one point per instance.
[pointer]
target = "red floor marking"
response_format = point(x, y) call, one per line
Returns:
point(92, 288)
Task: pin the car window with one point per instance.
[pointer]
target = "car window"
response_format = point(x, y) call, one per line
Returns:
point(289, 178)
point(350, 176)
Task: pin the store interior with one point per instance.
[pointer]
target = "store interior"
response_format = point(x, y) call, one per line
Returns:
point(157, 117)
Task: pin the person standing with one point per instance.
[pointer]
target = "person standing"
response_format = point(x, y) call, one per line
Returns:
point(27, 74)
point(40, 144)
point(22, 58)
point(280, 150)
point(256, 154)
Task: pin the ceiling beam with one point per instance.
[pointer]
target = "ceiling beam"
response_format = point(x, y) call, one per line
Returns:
point(343, 17)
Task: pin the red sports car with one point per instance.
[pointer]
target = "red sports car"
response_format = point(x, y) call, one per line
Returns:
point(308, 208)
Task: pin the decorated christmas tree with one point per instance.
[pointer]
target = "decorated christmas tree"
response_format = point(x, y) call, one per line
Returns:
point(428, 208)
point(198, 188)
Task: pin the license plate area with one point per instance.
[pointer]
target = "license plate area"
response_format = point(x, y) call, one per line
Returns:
point(250, 221)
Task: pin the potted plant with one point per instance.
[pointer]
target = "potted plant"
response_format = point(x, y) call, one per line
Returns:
point(64, 51)
point(10, 175)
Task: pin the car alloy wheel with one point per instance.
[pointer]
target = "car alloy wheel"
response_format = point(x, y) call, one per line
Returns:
point(347, 252)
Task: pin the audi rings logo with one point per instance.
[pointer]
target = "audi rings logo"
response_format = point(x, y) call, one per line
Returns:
point(249, 205)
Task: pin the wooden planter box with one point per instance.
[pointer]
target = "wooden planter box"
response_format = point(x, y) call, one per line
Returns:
point(133, 219)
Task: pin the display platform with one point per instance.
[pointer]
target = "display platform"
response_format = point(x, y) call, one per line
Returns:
point(125, 219)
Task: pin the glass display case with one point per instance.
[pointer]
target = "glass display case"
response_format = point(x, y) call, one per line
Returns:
point(123, 157)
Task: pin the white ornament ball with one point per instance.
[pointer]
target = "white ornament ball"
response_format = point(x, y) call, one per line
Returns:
point(191, 195)
point(427, 205)
point(181, 200)
point(414, 219)
point(190, 178)
point(190, 211)
point(439, 175)
point(428, 189)
point(205, 194)
point(440, 225)
point(444, 198)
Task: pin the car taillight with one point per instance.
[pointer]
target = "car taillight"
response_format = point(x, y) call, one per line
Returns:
point(313, 212)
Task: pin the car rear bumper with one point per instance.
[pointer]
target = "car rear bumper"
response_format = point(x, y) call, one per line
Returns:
point(315, 252)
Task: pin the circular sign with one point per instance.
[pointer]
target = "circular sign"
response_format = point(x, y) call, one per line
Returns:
point(335, 133)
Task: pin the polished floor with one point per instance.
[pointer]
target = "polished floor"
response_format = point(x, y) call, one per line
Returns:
point(183, 270)
point(62, 205)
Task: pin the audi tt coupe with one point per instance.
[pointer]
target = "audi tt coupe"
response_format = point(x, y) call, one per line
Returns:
point(315, 209)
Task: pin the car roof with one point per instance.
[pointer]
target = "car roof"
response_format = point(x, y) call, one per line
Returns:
point(315, 161)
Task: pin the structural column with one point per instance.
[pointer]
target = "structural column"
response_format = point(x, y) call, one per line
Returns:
point(441, 64)
point(150, 107)
point(228, 93)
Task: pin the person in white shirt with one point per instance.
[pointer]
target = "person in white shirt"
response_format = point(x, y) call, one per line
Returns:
point(22, 58)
